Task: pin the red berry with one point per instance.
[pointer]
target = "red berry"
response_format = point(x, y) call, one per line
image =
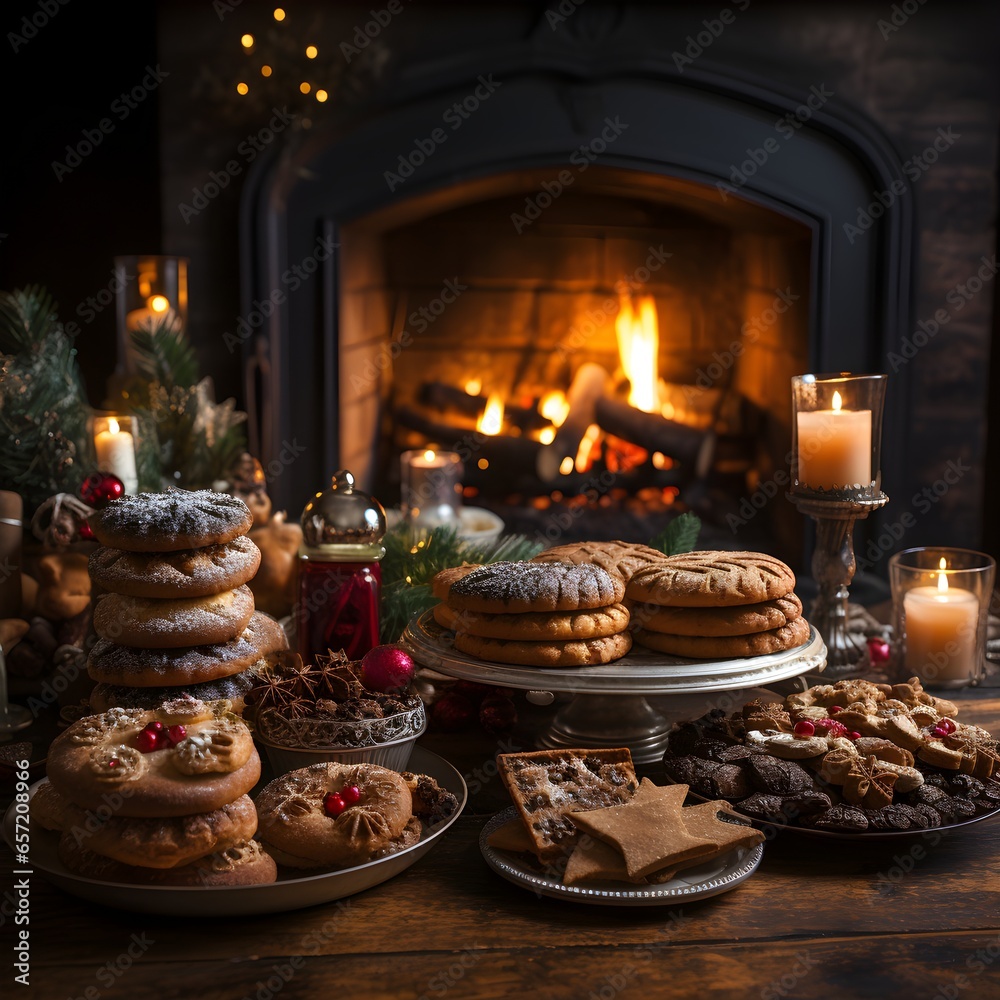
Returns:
point(854, 735)
point(939, 732)
point(113, 762)
point(804, 728)
point(333, 804)
point(879, 650)
point(948, 725)
point(85, 531)
point(155, 727)
point(146, 741)
point(831, 727)
point(350, 794)
point(175, 734)
point(834, 709)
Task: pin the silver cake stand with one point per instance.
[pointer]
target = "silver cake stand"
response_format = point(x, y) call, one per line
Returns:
point(609, 706)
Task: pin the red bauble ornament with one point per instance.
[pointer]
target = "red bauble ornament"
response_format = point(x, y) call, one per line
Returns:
point(879, 650)
point(452, 712)
point(497, 714)
point(100, 488)
point(387, 669)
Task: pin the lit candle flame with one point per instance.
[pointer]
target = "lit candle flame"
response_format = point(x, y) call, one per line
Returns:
point(113, 427)
point(491, 422)
point(837, 402)
point(942, 579)
point(429, 455)
point(159, 303)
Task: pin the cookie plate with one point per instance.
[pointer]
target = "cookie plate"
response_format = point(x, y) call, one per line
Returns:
point(288, 893)
point(710, 879)
point(640, 672)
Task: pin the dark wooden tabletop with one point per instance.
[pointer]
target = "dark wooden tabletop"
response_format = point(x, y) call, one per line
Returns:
point(914, 918)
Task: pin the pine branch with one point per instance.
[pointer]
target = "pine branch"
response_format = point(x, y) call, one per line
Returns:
point(164, 354)
point(28, 317)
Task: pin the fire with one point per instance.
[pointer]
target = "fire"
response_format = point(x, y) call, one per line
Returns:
point(491, 420)
point(474, 386)
point(638, 348)
point(554, 407)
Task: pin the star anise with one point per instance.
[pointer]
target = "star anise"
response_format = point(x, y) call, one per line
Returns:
point(337, 677)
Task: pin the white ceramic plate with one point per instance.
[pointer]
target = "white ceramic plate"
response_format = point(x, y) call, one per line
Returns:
point(640, 672)
point(710, 879)
point(224, 901)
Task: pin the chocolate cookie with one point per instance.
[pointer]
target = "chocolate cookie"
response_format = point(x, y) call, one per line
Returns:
point(517, 587)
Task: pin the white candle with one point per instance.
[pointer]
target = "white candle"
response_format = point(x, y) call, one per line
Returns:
point(941, 630)
point(834, 447)
point(431, 485)
point(116, 454)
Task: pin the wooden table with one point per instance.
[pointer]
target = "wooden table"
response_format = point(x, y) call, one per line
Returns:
point(914, 918)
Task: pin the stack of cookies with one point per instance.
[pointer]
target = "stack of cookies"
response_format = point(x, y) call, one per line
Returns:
point(536, 614)
point(156, 797)
point(622, 559)
point(716, 604)
point(174, 614)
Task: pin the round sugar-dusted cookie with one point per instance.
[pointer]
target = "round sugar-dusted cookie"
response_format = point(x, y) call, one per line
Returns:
point(570, 653)
point(742, 619)
point(441, 581)
point(114, 663)
point(698, 647)
point(619, 558)
point(517, 587)
point(106, 759)
point(187, 573)
point(540, 626)
point(153, 842)
point(233, 689)
point(159, 623)
point(246, 863)
point(304, 828)
point(172, 520)
point(712, 579)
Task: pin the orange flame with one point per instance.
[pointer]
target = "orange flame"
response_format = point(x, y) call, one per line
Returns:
point(638, 348)
point(491, 420)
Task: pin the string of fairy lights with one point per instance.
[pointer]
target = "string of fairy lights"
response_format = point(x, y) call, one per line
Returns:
point(306, 77)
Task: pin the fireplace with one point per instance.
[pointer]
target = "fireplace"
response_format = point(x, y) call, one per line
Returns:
point(489, 251)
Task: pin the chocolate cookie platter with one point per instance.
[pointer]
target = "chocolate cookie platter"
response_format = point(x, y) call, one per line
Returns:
point(850, 759)
point(584, 828)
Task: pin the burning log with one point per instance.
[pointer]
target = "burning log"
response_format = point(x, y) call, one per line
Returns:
point(509, 458)
point(584, 392)
point(441, 396)
point(690, 446)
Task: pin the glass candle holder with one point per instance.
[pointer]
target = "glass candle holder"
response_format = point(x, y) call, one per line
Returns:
point(115, 441)
point(940, 601)
point(837, 435)
point(431, 487)
point(150, 288)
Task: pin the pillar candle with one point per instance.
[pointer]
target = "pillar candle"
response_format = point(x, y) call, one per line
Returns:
point(116, 454)
point(834, 446)
point(941, 629)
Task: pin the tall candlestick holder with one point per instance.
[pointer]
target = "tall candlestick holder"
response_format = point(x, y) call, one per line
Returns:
point(836, 480)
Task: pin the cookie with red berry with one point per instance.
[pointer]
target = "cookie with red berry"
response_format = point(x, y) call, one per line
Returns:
point(185, 757)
